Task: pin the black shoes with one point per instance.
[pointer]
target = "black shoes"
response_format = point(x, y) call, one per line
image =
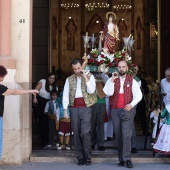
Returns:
point(87, 161)
point(80, 161)
point(92, 146)
point(109, 138)
point(134, 150)
point(128, 164)
point(121, 163)
point(101, 148)
point(84, 161)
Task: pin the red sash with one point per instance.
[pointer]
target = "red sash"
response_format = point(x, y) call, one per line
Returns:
point(78, 103)
point(121, 102)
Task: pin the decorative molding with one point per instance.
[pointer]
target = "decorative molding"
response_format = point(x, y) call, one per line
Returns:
point(122, 33)
point(8, 62)
point(71, 29)
point(138, 32)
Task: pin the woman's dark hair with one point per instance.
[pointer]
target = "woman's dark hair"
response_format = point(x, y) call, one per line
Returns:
point(3, 71)
point(111, 17)
point(76, 60)
point(47, 84)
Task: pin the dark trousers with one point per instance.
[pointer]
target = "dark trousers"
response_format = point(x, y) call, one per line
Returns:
point(123, 125)
point(43, 120)
point(133, 139)
point(97, 124)
point(81, 124)
point(141, 112)
point(51, 129)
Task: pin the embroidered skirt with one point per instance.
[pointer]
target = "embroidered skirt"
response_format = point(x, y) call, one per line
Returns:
point(1, 136)
point(162, 144)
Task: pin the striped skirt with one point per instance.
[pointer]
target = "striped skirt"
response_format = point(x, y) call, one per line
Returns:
point(1, 136)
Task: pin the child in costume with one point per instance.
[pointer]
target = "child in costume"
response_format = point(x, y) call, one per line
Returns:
point(53, 111)
point(64, 126)
point(162, 143)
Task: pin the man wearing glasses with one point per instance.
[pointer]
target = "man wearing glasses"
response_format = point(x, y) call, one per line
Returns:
point(165, 86)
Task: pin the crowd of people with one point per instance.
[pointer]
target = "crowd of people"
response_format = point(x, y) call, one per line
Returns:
point(82, 107)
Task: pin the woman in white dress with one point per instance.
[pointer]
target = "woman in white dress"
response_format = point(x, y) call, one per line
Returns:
point(162, 143)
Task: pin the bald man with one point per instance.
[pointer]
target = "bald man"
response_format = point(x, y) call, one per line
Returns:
point(124, 94)
point(165, 86)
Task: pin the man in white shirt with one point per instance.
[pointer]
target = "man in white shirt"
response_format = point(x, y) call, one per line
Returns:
point(124, 94)
point(165, 86)
point(79, 93)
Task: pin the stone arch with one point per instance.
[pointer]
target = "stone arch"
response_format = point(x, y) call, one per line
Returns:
point(122, 32)
point(138, 32)
point(95, 27)
point(71, 29)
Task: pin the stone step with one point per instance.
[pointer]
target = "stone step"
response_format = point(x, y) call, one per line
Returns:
point(109, 155)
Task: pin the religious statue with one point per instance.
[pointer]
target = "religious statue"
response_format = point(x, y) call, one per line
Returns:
point(110, 33)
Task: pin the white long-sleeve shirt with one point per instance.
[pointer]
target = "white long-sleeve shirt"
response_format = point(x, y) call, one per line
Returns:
point(136, 91)
point(56, 110)
point(91, 87)
point(165, 88)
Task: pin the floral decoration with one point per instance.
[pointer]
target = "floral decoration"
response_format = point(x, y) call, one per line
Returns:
point(107, 63)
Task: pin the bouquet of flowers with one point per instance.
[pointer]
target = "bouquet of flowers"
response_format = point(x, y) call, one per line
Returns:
point(107, 63)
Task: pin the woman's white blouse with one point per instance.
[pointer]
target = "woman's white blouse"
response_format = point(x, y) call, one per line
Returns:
point(42, 92)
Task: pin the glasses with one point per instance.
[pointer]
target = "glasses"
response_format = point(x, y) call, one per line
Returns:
point(167, 75)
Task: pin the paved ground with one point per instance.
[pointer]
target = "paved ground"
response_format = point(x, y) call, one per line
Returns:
point(94, 166)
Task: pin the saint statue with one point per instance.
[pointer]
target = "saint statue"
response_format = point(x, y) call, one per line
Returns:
point(110, 33)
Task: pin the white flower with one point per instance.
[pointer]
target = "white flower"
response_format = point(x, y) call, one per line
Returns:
point(110, 57)
point(94, 50)
point(88, 56)
point(99, 58)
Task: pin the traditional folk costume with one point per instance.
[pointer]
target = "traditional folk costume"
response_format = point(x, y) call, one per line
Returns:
point(162, 143)
point(122, 92)
point(64, 125)
point(80, 95)
point(154, 114)
point(53, 109)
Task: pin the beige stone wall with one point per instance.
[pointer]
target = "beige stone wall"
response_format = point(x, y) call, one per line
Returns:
point(17, 128)
point(17, 131)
